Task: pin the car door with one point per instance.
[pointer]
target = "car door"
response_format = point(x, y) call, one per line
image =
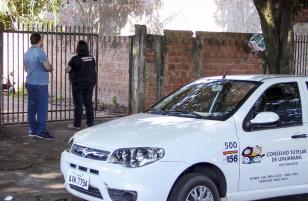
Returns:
point(274, 155)
point(305, 137)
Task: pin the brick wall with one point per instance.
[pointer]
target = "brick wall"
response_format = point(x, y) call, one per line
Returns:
point(150, 71)
point(179, 60)
point(113, 75)
point(183, 59)
point(302, 16)
point(188, 58)
point(227, 53)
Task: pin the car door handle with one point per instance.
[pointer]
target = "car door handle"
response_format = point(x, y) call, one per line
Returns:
point(300, 136)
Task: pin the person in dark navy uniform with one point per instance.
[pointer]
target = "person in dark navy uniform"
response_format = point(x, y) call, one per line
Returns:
point(82, 74)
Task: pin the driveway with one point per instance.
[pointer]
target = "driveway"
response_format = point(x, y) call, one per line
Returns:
point(29, 167)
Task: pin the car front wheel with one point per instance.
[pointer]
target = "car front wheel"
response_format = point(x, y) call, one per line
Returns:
point(194, 187)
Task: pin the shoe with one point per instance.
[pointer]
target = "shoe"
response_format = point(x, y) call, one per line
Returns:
point(45, 135)
point(31, 134)
point(71, 126)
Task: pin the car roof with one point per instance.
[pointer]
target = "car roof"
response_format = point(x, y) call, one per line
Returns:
point(252, 77)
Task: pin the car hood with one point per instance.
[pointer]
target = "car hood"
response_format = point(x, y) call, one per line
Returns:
point(142, 130)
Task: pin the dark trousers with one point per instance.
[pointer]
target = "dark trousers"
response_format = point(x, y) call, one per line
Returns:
point(82, 95)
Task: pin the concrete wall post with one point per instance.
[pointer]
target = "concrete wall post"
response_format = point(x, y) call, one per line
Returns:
point(159, 65)
point(137, 69)
point(197, 46)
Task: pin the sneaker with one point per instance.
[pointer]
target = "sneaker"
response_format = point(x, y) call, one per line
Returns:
point(31, 134)
point(71, 126)
point(45, 135)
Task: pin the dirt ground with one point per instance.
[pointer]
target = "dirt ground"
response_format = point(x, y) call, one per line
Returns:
point(29, 167)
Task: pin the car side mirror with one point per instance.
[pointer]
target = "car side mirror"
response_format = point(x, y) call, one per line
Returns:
point(265, 119)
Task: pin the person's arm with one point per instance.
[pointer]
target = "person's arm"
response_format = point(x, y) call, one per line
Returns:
point(70, 65)
point(68, 69)
point(44, 60)
point(47, 66)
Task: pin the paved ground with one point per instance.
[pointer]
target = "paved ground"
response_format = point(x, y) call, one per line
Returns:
point(29, 167)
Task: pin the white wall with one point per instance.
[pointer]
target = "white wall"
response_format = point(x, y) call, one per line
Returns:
point(211, 15)
point(301, 28)
point(195, 15)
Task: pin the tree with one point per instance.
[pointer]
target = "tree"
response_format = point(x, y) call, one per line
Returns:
point(26, 11)
point(277, 20)
point(108, 17)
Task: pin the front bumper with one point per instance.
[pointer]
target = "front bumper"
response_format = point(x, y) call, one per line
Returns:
point(152, 182)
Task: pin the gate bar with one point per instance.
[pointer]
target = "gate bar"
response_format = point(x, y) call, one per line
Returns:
point(23, 76)
point(52, 63)
point(65, 75)
point(1, 70)
point(15, 110)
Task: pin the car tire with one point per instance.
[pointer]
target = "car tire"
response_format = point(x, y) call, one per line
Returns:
point(191, 184)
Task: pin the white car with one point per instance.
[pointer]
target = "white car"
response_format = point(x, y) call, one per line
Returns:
point(218, 138)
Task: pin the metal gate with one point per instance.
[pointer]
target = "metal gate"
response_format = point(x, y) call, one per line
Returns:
point(59, 45)
point(301, 54)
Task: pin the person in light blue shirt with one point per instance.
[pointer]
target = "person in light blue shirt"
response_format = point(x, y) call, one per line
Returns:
point(37, 66)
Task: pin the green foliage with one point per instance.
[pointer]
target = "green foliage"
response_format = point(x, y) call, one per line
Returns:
point(21, 91)
point(114, 101)
point(109, 17)
point(60, 98)
point(27, 11)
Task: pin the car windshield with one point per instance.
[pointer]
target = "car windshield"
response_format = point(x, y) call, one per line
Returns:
point(210, 99)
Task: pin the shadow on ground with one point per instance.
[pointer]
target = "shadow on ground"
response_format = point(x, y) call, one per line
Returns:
point(29, 167)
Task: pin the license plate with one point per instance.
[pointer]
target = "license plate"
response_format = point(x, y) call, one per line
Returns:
point(80, 179)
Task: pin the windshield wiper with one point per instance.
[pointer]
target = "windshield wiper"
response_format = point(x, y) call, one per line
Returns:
point(185, 114)
point(157, 111)
point(198, 115)
point(217, 116)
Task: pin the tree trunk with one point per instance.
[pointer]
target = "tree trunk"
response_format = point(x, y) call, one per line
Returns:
point(277, 26)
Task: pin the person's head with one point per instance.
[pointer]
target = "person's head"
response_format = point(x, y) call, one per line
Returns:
point(36, 39)
point(82, 48)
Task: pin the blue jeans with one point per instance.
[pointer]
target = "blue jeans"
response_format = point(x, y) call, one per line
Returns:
point(37, 107)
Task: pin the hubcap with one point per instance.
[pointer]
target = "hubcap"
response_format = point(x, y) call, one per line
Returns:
point(200, 193)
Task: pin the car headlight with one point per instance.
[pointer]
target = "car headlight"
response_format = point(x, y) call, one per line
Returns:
point(136, 157)
point(69, 145)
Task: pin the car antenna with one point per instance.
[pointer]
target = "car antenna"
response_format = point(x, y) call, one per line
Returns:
point(224, 76)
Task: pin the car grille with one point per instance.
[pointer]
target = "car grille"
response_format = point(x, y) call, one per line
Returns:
point(91, 191)
point(84, 169)
point(90, 153)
